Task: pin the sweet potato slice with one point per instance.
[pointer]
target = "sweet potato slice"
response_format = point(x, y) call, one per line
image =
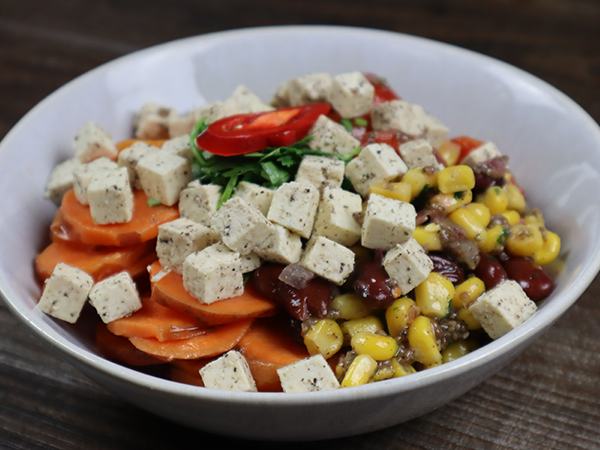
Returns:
point(76, 223)
point(120, 350)
point(268, 346)
point(156, 321)
point(188, 371)
point(121, 145)
point(215, 342)
point(169, 291)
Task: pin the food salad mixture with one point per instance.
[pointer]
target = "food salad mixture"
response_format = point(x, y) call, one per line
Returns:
point(334, 237)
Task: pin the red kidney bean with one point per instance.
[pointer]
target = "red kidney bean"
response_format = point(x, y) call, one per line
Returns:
point(373, 286)
point(445, 266)
point(490, 271)
point(534, 281)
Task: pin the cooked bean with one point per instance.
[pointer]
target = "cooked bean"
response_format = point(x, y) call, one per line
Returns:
point(534, 281)
point(490, 271)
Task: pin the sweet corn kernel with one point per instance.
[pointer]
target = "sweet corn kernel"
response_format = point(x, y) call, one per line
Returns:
point(421, 338)
point(549, 250)
point(496, 236)
point(467, 292)
point(450, 151)
point(360, 371)
point(398, 191)
point(469, 221)
point(516, 201)
point(433, 295)
point(378, 346)
point(429, 240)
point(400, 314)
point(481, 211)
point(457, 349)
point(349, 306)
point(325, 337)
point(524, 240)
point(495, 199)
point(512, 216)
point(350, 328)
point(456, 179)
point(400, 369)
point(451, 202)
point(467, 317)
point(419, 179)
point(535, 217)
point(384, 371)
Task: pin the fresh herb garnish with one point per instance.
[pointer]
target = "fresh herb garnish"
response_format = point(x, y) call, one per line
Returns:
point(347, 123)
point(361, 122)
point(503, 236)
point(153, 202)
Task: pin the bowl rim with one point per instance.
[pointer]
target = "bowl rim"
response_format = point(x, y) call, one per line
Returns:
point(544, 318)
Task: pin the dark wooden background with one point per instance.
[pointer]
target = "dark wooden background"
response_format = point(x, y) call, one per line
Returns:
point(548, 398)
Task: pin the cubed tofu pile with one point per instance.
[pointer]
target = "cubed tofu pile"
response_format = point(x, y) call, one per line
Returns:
point(310, 221)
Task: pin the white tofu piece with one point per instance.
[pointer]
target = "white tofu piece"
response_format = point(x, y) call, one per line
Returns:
point(328, 259)
point(115, 297)
point(435, 131)
point(180, 146)
point(213, 274)
point(230, 372)
point(294, 206)
point(419, 153)
point(387, 222)
point(184, 124)
point(335, 216)
point(152, 121)
point(375, 164)
point(351, 94)
point(258, 196)
point(180, 237)
point(331, 137)
point(92, 142)
point(65, 293)
point(481, 154)
point(407, 265)
point(321, 171)
point(502, 308)
point(250, 262)
point(163, 176)
point(281, 96)
point(312, 88)
point(242, 227)
point(283, 247)
point(61, 180)
point(308, 375)
point(83, 175)
point(244, 101)
point(110, 196)
point(198, 202)
point(130, 156)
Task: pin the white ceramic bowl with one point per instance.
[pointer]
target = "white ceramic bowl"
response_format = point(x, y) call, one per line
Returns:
point(552, 143)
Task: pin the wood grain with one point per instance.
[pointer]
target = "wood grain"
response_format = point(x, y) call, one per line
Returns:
point(548, 397)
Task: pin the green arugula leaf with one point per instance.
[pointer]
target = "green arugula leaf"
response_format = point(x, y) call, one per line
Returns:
point(153, 202)
point(347, 123)
point(360, 122)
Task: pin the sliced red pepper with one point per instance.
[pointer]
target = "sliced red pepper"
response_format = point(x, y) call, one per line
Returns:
point(467, 145)
point(247, 133)
point(383, 92)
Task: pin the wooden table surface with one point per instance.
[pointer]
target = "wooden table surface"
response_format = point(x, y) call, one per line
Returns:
point(548, 398)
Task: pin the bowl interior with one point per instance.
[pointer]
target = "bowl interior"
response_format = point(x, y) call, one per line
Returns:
point(552, 143)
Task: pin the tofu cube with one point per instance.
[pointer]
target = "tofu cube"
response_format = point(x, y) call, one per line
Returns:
point(435, 131)
point(65, 293)
point(419, 153)
point(321, 171)
point(230, 372)
point(387, 222)
point(129, 158)
point(83, 175)
point(312, 88)
point(283, 247)
point(481, 154)
point(258, 196)
point(152, 121)
point(407, 265)
point(92, 142)
point(351, 94)
point(110, 196)
point(336, 216)
point(115, 297)
point(244, 101)
point(281, 96)
point(198, 202)
point(308, 375)
point(250, 262)
point(502, 308)
point(242, 227)
point(180, 125)
point(294, 206)
point(328, 259)
point(61, 180)
point(331, 137)
point(375, 164)
point(179, 238)
point(213, 274)
point(163, 176)
point(180, 146)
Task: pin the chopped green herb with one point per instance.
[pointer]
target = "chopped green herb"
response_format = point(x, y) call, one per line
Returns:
point(347, 124)
point(459, 195)
point(360, 122)
point(448, 312)
point(153, 202)
point(503, 236)
point(497, 191)
point(535, 275)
